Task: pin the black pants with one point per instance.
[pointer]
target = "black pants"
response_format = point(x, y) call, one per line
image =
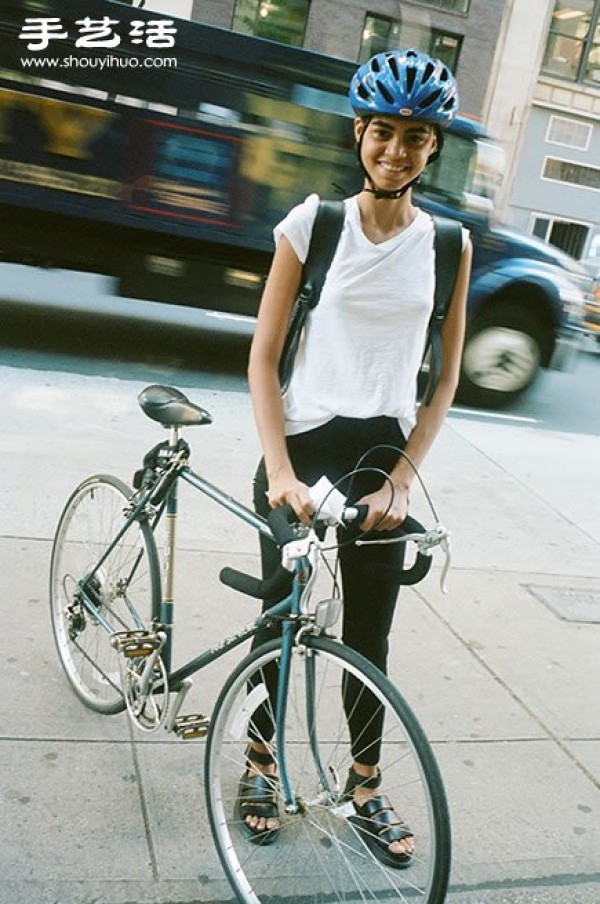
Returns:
point(369, 573)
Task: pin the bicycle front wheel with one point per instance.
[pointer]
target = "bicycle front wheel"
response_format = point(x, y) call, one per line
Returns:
point(321, 852)
point(124, 589)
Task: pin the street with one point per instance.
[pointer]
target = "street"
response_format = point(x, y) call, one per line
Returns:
point(503, 671)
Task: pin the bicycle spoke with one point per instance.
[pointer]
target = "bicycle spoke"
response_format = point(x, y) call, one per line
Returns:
point(97, 668)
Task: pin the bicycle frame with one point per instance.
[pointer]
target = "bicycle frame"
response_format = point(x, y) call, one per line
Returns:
point(287, 609)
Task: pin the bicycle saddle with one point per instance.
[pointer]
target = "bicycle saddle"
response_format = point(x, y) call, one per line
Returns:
point(171, 408)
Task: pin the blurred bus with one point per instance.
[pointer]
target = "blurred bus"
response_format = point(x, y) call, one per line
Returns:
point(171, 176)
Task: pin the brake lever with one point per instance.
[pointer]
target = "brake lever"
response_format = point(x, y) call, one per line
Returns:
point(445, 545)
point(424, 542)
point(437, 536)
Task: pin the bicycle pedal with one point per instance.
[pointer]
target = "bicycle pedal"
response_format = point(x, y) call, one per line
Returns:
point(135, 644)
point(192, 726)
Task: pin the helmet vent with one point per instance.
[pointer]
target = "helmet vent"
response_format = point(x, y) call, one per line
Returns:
point(375, 66)
point(393, 64)
point(430, 99)
point(387, 95)
point(443, 76)
point(427, 73)
point(411, 74)
point(363, 92)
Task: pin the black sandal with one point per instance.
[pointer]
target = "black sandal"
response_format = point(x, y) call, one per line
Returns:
point(376, 821)
point(257, 797)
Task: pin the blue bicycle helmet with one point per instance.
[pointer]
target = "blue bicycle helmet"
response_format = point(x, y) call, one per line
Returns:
point(405, 83)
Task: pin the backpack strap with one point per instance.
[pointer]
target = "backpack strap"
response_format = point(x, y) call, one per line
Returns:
point(324, 239)
point(447, 244)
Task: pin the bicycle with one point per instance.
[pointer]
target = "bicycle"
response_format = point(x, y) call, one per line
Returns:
point(113, 628)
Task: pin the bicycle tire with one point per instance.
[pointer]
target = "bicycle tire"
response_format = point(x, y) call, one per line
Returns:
point(318, 854)
point(128, 594)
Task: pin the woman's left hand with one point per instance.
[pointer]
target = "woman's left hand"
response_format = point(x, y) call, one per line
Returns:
point(387, 508)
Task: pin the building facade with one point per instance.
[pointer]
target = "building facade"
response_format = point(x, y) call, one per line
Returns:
point(555, 189)
point(465, 33)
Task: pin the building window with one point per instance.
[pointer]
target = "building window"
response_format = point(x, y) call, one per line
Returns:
point(571, 173)
point(277, 20)
point(592, 62)
point(573, 45)
point(381, 33)
point(568, 236)
point(569, 132)
point(457, 6)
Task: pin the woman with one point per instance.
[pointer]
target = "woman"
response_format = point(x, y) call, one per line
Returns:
point(354, 385)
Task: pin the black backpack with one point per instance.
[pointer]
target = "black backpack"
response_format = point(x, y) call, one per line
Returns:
point(325, 235)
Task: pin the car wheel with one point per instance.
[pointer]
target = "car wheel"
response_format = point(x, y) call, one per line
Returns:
point(502, 356)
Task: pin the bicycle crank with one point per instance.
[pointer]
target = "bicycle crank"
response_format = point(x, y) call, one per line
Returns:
point(144, 676)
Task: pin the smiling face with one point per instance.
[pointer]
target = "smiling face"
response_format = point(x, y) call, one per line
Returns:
point(393, 151)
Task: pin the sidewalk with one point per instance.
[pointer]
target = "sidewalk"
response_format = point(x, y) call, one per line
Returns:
point(506, 689)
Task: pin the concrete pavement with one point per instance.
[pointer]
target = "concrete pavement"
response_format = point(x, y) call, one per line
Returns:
point(505, 687)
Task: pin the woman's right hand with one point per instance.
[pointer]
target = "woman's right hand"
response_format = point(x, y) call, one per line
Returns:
point(286, 489)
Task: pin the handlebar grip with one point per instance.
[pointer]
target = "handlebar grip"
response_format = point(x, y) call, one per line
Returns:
point(407, 576)
point(420, 567)
point(410, 525)
point(277, 586)
point(237, 580)
point(416, 572)
point(283, 521)
point(355, 513)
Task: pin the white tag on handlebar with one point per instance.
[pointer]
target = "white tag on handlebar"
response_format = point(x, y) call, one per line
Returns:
point(328, 501)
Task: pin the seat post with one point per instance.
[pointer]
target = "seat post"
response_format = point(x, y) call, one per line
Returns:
point(168, 602)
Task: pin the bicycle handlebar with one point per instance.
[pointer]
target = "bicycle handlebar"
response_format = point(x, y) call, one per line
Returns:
point(275, 587)
point(283, 522)
point(410, 529)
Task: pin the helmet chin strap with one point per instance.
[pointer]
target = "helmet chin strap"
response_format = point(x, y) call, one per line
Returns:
point(385, 195)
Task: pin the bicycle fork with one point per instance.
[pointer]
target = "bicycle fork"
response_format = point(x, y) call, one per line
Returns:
point(292, 803)
point(292, 806)
point(311, 711)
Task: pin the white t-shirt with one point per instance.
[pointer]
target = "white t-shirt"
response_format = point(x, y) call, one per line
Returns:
point(363, 343)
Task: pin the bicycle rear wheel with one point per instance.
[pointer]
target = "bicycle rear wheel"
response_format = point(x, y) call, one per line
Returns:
point(125, 589)
point(320, 852)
